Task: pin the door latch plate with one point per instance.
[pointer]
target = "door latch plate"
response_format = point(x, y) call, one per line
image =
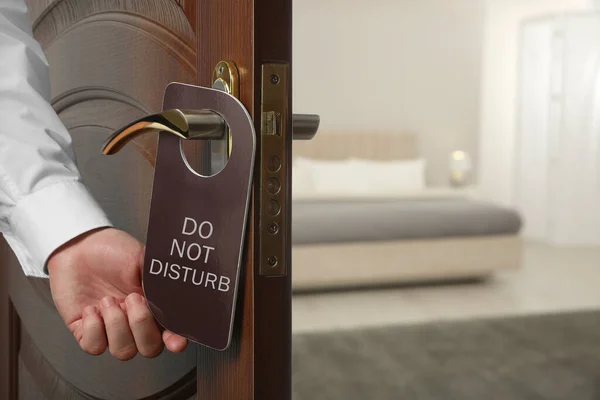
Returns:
point(273, 170)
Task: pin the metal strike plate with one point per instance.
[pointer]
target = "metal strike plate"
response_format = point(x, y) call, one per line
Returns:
point(273, 170)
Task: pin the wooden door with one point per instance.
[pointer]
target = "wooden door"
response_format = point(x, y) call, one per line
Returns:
point(258, 364)
point(110, 62)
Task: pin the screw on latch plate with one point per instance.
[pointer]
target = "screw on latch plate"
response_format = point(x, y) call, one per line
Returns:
point(273, 228)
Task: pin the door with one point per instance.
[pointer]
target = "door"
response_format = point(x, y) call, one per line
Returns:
point(110, 62)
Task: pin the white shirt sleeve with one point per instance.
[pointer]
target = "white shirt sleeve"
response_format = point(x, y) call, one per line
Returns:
point(43, 202)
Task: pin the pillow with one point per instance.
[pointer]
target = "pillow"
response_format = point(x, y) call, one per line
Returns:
point(327, 177)
point(391, 177)
point(357, 177)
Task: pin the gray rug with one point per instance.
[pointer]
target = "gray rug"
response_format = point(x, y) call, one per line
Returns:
point(539, 357)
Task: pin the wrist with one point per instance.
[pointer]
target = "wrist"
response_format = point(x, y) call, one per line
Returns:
point(46, 219)
point(70, 249)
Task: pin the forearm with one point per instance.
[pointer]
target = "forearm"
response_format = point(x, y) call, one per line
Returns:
point(43, 202)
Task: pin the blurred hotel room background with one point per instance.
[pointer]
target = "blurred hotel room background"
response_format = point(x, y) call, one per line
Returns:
point(446, 233)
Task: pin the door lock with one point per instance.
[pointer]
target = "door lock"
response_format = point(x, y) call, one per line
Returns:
point(273, 209)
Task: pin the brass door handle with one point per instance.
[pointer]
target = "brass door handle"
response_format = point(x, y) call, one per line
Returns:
point(206, 125)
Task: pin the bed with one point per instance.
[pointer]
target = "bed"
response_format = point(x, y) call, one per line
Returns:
point(416, 236)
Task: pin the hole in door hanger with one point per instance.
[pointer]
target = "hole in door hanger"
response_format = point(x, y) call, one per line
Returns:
point(207, 157)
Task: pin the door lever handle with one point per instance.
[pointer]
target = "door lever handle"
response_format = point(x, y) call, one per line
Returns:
point(206, 125)
point(305, 126)
point(186, 125)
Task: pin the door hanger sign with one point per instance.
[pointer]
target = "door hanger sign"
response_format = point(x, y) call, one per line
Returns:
point(197, 224)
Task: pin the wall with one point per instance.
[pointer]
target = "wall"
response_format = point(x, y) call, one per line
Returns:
point(395, 66)
point(498, 89)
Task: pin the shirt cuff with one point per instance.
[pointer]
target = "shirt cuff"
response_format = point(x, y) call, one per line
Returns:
point(43, 221)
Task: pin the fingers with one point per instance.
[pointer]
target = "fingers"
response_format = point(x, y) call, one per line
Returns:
point(126, 329)
point(121, 343)
point(173, 342)
point(93, 338)
point(145, 330)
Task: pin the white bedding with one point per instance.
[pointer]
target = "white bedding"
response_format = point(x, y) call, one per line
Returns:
point(357, 177)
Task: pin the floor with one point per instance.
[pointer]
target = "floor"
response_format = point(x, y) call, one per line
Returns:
point(551, 279)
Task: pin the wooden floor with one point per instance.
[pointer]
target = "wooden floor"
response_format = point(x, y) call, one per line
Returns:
point(552, 279)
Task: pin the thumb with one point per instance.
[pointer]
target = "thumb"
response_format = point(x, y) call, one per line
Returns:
point(173, 342)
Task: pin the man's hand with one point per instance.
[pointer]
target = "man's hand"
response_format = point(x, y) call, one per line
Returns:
point(97, 288)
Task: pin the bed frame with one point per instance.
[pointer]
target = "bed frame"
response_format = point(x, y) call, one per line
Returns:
point(344, 265)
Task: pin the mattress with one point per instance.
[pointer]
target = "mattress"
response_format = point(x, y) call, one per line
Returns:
point(370, 220)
